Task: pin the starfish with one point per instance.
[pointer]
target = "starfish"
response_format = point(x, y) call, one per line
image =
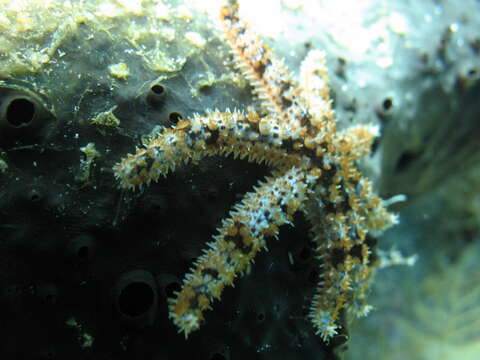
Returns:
point(313, 171)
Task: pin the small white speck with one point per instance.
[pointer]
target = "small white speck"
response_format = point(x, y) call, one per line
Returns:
point(454, 27)
point(385, 62)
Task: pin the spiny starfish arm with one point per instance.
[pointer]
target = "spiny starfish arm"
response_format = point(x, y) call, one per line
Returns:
point(343, 284)
point(340, 290)
point(356, 141)
point(270, 78)
point(240, 238)
point(339, 235)
point(372, 208)
point(315, 90)
point(350, 144)
point(244, 135)
point(341, 212)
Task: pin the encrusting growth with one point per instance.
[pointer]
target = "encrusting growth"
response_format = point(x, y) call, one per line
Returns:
point(314, 172)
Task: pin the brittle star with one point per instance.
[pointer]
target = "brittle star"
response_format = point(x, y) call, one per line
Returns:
point(314, 173)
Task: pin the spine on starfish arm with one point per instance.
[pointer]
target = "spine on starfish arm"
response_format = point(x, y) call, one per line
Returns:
point(215, 133)
point(240, 238)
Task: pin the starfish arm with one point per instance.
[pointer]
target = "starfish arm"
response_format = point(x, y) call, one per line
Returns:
point(356, 141)
point(244, 135)
point(270, 78)
point(377, 218)
point(341, 213)
point(316, 92)
point(340, 237)
point(338, 291)
point(240, 238)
